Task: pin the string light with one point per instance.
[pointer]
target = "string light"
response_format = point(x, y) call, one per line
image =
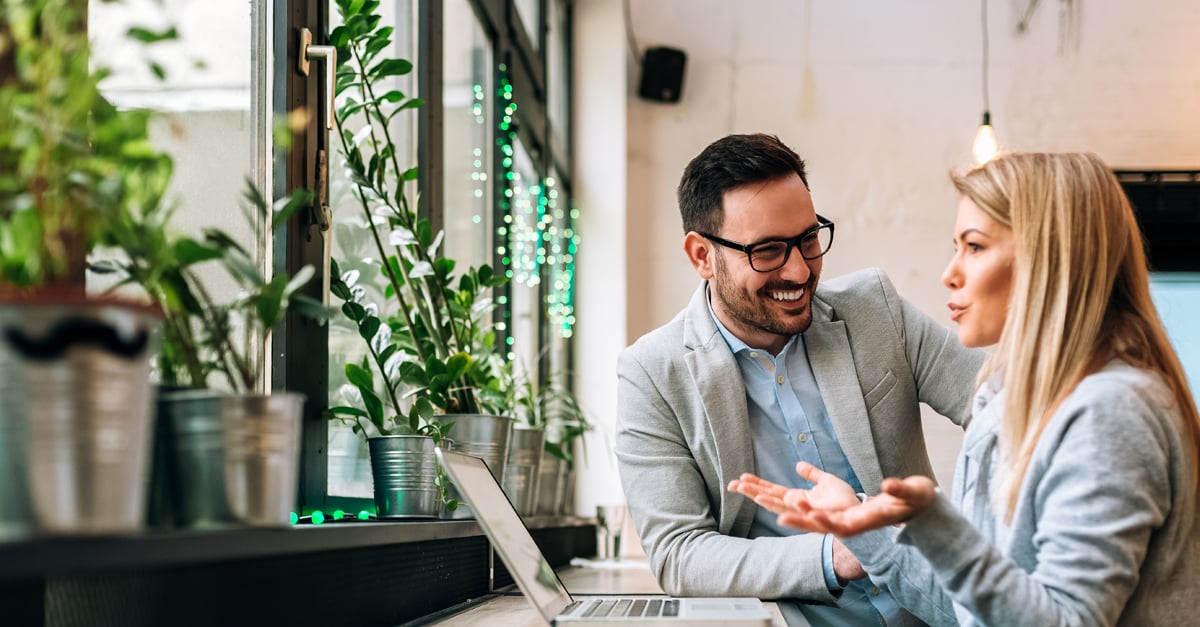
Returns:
point(536, 230)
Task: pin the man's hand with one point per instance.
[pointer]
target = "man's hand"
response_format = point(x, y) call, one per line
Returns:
point(845, 565)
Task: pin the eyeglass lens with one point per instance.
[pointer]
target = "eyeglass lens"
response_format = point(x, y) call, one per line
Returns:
point(769, 256)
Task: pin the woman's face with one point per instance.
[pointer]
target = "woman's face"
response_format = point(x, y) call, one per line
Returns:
point(979, 275)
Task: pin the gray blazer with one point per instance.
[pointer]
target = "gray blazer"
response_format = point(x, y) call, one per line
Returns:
point(683, 431)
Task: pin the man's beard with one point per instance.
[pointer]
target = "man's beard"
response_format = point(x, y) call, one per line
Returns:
point(751, 311)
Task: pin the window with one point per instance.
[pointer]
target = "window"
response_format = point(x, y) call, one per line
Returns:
point(468, 97)
point(357, 253)
point(214, 105)
point(1177, 297)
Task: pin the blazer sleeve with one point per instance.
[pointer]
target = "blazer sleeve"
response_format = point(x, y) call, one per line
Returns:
point(674, 505)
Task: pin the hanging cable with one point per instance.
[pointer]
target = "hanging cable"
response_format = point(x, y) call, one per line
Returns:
point(627, 16)
point(985, 145)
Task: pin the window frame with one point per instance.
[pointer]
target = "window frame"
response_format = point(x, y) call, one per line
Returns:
point(300, 343)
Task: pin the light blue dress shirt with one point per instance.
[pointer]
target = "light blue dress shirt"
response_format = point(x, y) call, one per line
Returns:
point(789, 424)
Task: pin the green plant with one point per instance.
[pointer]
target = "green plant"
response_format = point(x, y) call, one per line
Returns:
point(439, 347)
point(67, 155)
point(200, 333)
point(548, 406)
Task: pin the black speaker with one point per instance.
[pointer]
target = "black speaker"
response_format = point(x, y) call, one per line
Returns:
point(662, 74)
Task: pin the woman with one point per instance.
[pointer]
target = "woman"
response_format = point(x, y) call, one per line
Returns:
point(1074, 500)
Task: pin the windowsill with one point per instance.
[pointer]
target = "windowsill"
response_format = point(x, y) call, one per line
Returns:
point(37, 557)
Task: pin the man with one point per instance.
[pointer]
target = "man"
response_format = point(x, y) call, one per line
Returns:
point(762, 370)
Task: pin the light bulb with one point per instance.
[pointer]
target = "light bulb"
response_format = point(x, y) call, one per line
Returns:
point(985, 146)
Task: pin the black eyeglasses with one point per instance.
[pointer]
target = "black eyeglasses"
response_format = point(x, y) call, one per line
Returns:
point(770, 255)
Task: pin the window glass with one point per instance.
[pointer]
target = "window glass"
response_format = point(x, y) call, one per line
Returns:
point(530, 12)
point(213, 105)
point(558, 77)
point(1177, 297)
point(525, 254)
point(561, 243)
point(467, 102)
point(356, 252)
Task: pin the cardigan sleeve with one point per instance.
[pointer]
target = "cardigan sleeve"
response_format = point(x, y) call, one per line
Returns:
point(1097, 488)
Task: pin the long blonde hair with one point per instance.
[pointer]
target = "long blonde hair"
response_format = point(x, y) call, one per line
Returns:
point(1080, 295)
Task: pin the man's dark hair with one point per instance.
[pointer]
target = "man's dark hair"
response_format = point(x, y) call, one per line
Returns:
point(729, 163)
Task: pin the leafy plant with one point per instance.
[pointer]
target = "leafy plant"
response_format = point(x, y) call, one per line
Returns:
point(548, 406)
point(436, 352)
point(200, 333)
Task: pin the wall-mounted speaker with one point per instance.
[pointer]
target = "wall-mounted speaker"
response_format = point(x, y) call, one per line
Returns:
point(662, 74)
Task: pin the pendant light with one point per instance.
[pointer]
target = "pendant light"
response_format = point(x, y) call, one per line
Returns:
point(985, 146)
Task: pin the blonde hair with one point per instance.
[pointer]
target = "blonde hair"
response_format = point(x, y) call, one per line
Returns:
point(1080, 295)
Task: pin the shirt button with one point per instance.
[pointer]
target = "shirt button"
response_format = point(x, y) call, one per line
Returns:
point(779, 379)
point(874, 589)
point(803, 437)
point(754, 355)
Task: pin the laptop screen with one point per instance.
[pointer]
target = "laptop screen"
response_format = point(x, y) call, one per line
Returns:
point(508, 534)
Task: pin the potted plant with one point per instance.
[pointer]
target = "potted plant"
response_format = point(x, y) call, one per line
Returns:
point(564, 421)
point(232, 453)
point(74, 369)
point(435, 354)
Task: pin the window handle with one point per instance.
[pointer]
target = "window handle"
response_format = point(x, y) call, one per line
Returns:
point(309, 51)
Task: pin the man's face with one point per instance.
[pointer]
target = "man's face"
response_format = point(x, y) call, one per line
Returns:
point(764, 309)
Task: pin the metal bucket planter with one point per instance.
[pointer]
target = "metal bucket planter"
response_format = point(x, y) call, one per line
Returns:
point(404, 469)
point(480, 435)
point(550, 484)
point(232, 458)
point(75, 407)
point(262, 456)
point(521, 471)
point(194, 458)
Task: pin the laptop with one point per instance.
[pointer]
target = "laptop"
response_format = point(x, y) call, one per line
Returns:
point(545, 591)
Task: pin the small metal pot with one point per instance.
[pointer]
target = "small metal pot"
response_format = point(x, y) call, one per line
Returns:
point(404, 469)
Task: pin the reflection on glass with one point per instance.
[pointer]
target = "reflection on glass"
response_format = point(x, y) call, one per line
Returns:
point(355, 252)
point(467, 101)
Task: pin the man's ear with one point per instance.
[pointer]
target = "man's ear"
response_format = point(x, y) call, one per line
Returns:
point(700, 252)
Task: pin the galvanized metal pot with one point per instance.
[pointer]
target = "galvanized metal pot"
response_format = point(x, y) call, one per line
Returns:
point(194, 458)
point(521, 471)
point(262, 456)
point(75, 407)
point(404, 468)
point(480, 435)
point(232, 459)
point(550, 484)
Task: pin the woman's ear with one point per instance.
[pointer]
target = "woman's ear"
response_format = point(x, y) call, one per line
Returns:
point(700, 252)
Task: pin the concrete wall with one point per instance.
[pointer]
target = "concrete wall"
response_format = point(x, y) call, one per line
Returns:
point(882, 99)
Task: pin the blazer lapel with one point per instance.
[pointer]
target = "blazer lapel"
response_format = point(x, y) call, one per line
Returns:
point(719, 382)
point(837, 378)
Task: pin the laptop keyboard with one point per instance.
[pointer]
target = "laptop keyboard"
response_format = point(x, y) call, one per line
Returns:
point(605, 608)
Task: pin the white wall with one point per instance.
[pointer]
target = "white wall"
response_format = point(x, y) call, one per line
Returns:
point(882, 98)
